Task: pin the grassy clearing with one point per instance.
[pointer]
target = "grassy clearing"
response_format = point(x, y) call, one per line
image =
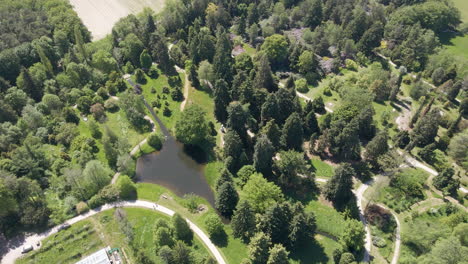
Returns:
point(212, 172)
point(462, 5)
point(420, 231)
point(67, 246)
point(406, 188)
point(118, 123)
point(322, 169)
point(153, 91)
point(328, 219)
point(233, 250)
point(318, 251)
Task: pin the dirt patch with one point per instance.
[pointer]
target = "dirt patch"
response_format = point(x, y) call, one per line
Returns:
point(99, 16)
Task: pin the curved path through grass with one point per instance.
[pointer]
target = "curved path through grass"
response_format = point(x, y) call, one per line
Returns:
point(15, 253)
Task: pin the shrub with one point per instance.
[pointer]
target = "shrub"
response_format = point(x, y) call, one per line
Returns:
point(127, 189)
point(177, 94)
point(327, 91)
point(108, 194)
point(81, 207)
point(155, 141)
point(153, 73)
point(301, 85)
point(351, 65)
point(167, 111)
point(111, 105)
point(166, 90)
point(214, 226)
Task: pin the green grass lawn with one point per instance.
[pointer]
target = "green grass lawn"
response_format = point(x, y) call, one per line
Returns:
point(118, 123)
point(322, 169)
point(328, 219)
point(212, 172)
point(318, 251)
point(101, 230)
point(233, 251)
point(174, 106)
point(462, 5)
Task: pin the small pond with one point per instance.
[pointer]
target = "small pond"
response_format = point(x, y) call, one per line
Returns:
point(174, 169)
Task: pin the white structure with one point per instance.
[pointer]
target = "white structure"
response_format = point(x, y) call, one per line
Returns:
point(98, 257)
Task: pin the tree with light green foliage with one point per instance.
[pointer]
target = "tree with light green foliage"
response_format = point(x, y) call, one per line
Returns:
point(261, 193)
point(126, 187)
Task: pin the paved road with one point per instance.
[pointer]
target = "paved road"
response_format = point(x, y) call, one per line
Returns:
point(396, 251)
point(15, 253)
point(359, 192)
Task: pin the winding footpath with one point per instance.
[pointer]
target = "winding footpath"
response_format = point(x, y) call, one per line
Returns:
point(359, 192)
point(15, 253)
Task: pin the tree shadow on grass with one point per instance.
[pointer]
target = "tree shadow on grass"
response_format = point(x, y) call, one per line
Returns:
point(310, 252)
point(220, 240)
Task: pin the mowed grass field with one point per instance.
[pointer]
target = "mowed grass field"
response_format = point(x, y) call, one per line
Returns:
point(458, 45)
point(99, 16)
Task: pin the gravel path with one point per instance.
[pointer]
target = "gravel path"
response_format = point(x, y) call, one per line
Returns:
point(15, 253)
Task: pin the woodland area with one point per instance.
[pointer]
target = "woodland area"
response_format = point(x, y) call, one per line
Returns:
point(292, 89)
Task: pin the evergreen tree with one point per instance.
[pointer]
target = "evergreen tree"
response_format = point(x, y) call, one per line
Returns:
point(226, 199)
point(258, 248)
point(301, 228)
point(269, 109)
point(80, 43)
point(182, 230)
point(263, 155)
point(314, 14)
point(243, 221)
point(222, 61)
point(278, 255)
point(140, 76)
point(402, 139)
point(159, 52)
point(371, 38)
point(286, 104)
point(149, 28)
point(311, 124)
point(221, 100)
point(145, 60)
point(237, 119)
point(454, 125)
point(224, 177)
point(339, 188)
point(318, 105)
point(395, 83)
point(45, 60)
point(426, 128)
point(446, 182)
point(275, 222)
point(377, 146)
point(422, 102)
point(232, 144)
point(453, 91)
point(343, 139)
point(27, 84)
point(272, 132)
point(292, 133)
point(193, 76)
point(264, 76)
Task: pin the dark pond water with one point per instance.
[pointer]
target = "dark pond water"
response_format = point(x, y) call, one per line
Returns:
point(174, 169)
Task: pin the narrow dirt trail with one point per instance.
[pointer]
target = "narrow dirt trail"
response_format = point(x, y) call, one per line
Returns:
point(187, 87)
